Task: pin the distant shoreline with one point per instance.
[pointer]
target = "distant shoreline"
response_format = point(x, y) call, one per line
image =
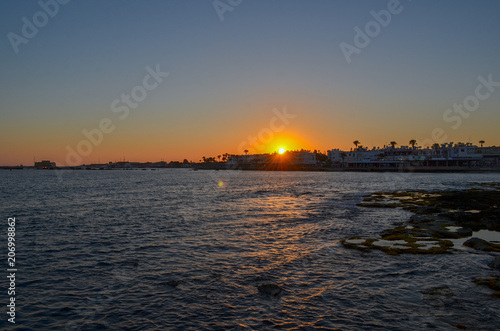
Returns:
point(288, 169)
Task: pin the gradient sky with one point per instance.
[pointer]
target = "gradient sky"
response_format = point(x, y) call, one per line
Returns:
point(226, 77)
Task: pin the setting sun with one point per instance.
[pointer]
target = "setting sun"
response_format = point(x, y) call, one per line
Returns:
point(281, 150)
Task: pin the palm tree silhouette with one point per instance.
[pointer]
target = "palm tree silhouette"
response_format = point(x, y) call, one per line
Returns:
point(246, 151)
point(481, 142)
point(356, 143)
point(412, 143)
point(393, 143)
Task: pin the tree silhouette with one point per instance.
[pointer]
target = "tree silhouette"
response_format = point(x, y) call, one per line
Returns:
point(481, 142)
point(246, 151)
point(393, 143)
point(356, 143)
point(412, 143)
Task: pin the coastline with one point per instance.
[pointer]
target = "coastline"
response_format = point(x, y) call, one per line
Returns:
point(288, 168)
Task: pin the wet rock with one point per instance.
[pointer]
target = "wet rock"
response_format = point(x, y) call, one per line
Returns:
point(479, 244)
point(439, 297)
point(418, 219)
point(495, 264)
point(493, 282)
point(270, 289)
point(439, 216)
point(459, 233)
point(427, 210)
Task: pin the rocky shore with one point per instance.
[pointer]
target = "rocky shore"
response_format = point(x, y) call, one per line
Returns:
point(441, 221)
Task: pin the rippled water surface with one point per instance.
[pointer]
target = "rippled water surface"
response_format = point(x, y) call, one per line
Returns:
point(180, 249)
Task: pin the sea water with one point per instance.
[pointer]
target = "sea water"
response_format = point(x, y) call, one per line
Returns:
point(179, 249)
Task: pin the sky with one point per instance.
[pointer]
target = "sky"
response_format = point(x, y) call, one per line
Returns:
point(100, 81)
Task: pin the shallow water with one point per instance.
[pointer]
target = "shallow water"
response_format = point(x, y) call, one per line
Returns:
point(177, 249)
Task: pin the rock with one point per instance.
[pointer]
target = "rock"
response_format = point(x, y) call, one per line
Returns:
point(495, 264)
point(459, 233)
point(464, 232)
point(439, 297)
point(418, 219)
point(428, 210)
point(479, 244)
point(270, 289)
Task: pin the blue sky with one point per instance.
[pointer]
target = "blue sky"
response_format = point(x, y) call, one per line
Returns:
point(225, 77)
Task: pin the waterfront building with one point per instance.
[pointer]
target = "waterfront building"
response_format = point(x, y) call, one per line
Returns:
point(45, 164)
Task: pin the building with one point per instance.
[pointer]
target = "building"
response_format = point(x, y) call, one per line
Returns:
point(300, 159)
point(45, 164)
point(444, 155)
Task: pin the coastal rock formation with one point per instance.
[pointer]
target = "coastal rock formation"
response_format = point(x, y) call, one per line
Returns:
point(438, 217)
point(478, 244)
point(482, 245)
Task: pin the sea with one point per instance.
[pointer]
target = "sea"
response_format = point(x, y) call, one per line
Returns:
point(177, 249)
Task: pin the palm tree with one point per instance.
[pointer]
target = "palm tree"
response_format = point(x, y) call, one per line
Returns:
point(435, 146)
point(481, 142)
point(356, 143)
point(393, 143)
point(218, 156)
point(412, 143)
point(246, 151)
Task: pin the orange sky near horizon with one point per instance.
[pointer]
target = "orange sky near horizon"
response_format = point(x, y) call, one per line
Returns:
point(221, 82)
point(148, 141)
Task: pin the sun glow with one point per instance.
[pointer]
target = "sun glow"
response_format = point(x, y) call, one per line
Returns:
point(281, 150)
